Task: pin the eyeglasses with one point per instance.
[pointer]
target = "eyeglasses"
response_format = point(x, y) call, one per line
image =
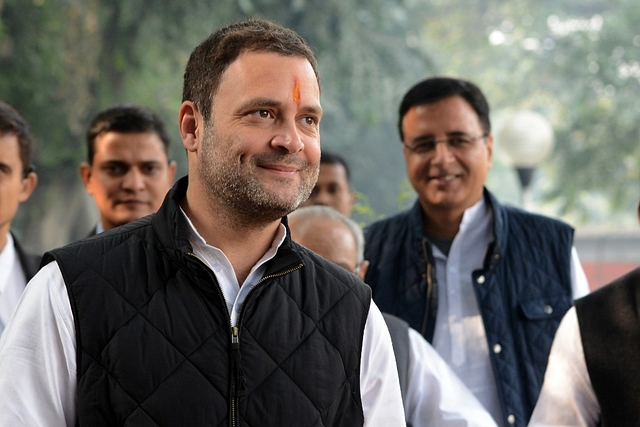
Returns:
point(425, 145)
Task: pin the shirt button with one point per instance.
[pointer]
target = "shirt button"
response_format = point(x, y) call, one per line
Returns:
point(511, 419)
point(217, 267)
point(547, 309)
point(497, 348)
point(481, 279)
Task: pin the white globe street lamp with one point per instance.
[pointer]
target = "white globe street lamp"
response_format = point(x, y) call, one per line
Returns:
point(527, 139)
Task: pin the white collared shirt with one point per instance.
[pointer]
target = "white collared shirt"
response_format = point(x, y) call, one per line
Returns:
point(435, 396)
point(567, 398)
point(12, 281)
point(38, 351)
point(459, 335)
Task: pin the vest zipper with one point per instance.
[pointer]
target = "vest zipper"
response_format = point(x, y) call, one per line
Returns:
point(237, 380)
point(235, 349)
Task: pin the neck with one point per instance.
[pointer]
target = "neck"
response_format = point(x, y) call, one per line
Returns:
point(4, 237)
point(443, 225)
point(243, 244)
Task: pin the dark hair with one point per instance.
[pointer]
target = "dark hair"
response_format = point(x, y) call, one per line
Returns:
point(437, 88)
point(126, 118)
point(12, 123)
point(211, 58)
point(330, 158)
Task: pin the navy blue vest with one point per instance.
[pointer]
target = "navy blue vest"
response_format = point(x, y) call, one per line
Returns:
point(523, 290)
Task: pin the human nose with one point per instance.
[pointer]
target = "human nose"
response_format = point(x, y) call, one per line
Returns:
point(321, 198)
point(133, 180)
point(288, 137)
point(441, 151)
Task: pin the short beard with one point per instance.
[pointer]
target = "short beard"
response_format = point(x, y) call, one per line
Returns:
point(230, 183)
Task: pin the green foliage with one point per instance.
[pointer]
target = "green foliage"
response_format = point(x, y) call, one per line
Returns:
point(576, 62)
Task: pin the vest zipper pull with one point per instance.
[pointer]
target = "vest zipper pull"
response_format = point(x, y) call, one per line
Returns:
point(235, 348)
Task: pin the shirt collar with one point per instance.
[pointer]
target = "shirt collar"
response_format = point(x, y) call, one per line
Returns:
point(7, 260)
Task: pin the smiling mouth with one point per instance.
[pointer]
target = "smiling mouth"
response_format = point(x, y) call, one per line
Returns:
point(446, 178)
point(281, 169)
point(131, 202)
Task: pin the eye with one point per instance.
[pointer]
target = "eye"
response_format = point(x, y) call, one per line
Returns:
point(311, 121)
point(458, 141)
point(114, 169)
point(424, 145)
point(150, 169)
point(263, 114)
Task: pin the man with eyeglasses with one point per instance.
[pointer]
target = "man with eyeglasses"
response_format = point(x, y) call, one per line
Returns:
point(486, 284)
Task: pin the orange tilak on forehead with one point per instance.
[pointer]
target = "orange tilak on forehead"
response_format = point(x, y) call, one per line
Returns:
point(296, 92)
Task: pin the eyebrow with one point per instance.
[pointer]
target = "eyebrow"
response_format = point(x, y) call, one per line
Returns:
point(268, 102)
point(428, 137)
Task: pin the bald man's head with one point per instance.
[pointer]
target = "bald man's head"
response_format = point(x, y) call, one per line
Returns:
point(331, 235)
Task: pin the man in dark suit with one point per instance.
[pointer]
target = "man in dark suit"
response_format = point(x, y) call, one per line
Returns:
point(17, 182)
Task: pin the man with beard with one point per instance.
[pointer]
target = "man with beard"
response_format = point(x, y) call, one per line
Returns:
point(486, 284)
point(206, 313)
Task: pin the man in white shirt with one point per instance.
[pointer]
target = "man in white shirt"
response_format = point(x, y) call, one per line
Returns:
point(206, 313)
point(593, 376)
point(17, 182)
point(433, 395)
point(486, 284)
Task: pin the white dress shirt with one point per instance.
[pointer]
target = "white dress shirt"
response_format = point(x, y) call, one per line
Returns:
point(567, 397)
point(38, 351)
point(12, 281)
point(459, 335)
point(435, 396)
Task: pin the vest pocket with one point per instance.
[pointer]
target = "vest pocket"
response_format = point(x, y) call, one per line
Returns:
point(546, 307)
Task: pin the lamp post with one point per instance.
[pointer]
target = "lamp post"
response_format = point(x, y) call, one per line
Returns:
point(527, 139)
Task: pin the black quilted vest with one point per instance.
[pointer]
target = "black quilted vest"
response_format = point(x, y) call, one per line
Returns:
point(609, 321)
point(154, 342)
point(523, 290)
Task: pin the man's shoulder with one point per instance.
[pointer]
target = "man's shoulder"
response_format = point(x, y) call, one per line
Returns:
point(623, 289)
point(397, 220)
point(516, 215)
point(95, 245)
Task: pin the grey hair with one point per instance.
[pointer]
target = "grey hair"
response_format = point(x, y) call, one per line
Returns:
point(319, 211)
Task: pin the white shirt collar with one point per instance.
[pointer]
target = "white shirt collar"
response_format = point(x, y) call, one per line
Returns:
point(7, 259)
point(217, 261)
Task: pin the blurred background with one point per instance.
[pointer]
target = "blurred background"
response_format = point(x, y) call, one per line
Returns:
point(574, 63)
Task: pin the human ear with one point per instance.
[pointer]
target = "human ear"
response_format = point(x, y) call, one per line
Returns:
point(28, 185)
point(363, 269)
point(189, 121)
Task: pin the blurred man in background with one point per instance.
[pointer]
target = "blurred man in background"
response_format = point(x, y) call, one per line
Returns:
point(334, 184)
point(128, 171)
point(17, 182)
point(486, 284)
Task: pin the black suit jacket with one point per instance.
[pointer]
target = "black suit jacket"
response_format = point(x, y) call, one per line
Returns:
point(30, 262)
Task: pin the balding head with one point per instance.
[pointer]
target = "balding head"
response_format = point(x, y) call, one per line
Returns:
point(331, 235)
